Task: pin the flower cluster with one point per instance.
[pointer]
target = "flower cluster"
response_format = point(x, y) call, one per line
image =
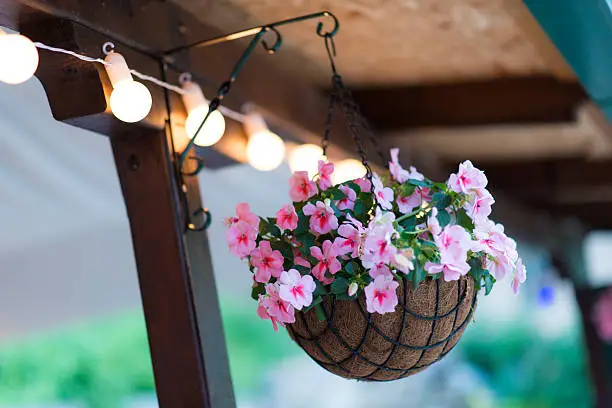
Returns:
point(367, 235)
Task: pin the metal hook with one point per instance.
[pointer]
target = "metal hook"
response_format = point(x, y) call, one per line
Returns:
point(207, 222)
point(198, 168)
point(277, 43)
point(333, 31)
point(108, 47)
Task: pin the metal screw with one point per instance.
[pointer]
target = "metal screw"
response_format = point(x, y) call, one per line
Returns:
point(133, 162)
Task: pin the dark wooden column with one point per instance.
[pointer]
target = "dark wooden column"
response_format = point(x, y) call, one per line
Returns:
point(151, 196)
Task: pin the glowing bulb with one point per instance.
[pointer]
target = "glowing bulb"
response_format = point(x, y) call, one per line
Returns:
point(20, 58)
point(265, 150)
point(197, 108)
point(306, 158)
point(347, 170)
point(130, 101)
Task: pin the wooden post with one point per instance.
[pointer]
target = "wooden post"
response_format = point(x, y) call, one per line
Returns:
point(151, 197)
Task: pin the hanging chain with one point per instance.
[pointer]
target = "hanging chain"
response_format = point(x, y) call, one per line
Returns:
point(356, 122)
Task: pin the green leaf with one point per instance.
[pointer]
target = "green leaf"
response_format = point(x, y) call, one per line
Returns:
point(489, 282)
point(345, 296)
point(476, 271)
point(336, 194)
point(360, 208)
point(443, 218)
point(354, 186)
point(320, 290)
point(441, 200)
point(406, 189)
point(420, 183)
point(307, 240)
point(339, 285)
point(301, 269)
point(408, 223)
point(418, 274)
point(303, 224)
point(320, 312)
point(464, 220)
point(257, 290)
point(269, 227)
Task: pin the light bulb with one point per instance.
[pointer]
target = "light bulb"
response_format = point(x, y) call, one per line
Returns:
point(348, 170)
point(197, 108)
point(265, 150)
point(19, 58)
point(306, 158)
point(130, 101)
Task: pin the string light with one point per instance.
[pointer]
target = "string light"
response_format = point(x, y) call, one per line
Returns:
point(347, 170)
point(197, 108)
point(130, 101)
point(20, 58)
point(265, 150)
point(306, 158)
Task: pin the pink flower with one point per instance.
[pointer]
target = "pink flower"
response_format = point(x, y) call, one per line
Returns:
point(379, 269)
point(325, 171)
point(378, 247)
point(384, 195)
point(454, 241)
point(327, 261)
point(241, 238)
point(301, 187)
point(380, 295)
point(267, 262)
point(414, 174)
point(348, 202)
point(298, 259)
point(348, 241)
point(478, 205)
point(498, 266)
point(296, 289)
point(286, 218)
point(278, 310)
point(383, 220)
point(262, 312)
point(407, 204)
point(452, 269)
point(396, 169)
point(520, 276)
point(364, 184)
point(468, 178)
point(322, 218)
point(243, 213)
point(602, 316)
point(490, 238)
point(433, 225)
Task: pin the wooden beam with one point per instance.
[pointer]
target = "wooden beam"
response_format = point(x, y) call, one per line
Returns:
point(145, 171)
point(521, 100)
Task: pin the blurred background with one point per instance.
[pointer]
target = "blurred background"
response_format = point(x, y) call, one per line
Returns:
point(497, 82)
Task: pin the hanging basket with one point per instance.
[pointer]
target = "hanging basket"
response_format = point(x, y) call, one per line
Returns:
point(376, 277)
point(355, 344)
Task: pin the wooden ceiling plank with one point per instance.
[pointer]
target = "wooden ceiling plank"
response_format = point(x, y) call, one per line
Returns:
point(518, 100)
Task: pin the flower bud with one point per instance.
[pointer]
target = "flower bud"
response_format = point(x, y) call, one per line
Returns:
point(352, 289)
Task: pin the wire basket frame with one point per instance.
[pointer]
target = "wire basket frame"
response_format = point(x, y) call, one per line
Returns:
point(355, 344)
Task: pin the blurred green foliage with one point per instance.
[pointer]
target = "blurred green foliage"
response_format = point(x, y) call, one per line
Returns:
point(527, 370)
point(100, 364)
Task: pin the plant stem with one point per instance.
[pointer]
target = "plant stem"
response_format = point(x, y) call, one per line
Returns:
point(413, 213)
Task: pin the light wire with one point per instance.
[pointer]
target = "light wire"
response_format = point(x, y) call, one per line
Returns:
point(230, 113)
